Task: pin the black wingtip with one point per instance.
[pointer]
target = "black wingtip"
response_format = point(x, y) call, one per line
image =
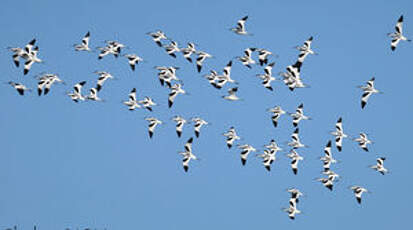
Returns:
point(199, 67)
point(229, 146)
point(243, 161)
point(339, 148)
point(363, 104)
point(150, 134)
point(170, 104)
point(46, 91)
point(186, 168)
point(295, 171)
point(25, 71)
point(358, 200)
point(268, 168)
point(330, 187)
point(178, 133)
point(197, 134)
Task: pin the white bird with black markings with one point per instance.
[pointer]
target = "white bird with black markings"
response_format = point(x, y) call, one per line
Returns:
point(247, 60)
point(292, 210)
point(397, 36)
point(201, 57)
point(339, 134)
point(231, 136)
point(153, 122)
point(295, 158)
point(157, 37)
point(379, 166)
point(295, 195)
point(267, 78)
point(368, 90)
point(22, 52)
point(245, 151)
point(327, 159)
point(188, 51)
point(180, 122)
point(198, 123)
point(46, 81)
point(225, 77)
point(232, 94)
point(299, 115)
point(212, 77)
point(305, 49)
point(93, 95)
point(172, 48)
point(363, 141)
point(147, 103)
point(240, 28)
point(263, 55)
point(358, 192)
point(295, 140)
point(132, 103)
point(103, 76)
point(176, 89)
point(268, 157)
point(31, 59)
point(277, 112)
point(19, 87)
point(188, 155)
point(133, 60)
point(273, 147)
point(76, 95)
point(84, 46)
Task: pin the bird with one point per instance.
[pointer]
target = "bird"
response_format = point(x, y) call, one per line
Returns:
point(167, 75)
point(46, 81)
point(187, 154)
point(379, 166)
point(153, 122)
point(93, 95)
point(198, 123)
point(19, 87)
point(268, 157)
point(132, 103)
point(327, 182)
point(247, 60)
point(112, 47)
point(231, 136)
point(295, 143)
point(212, 77)
point(84, 46)
point(263, 56)
point(31, 59)
point(363, 141)
point(292, 210)
point(180, 122)
point(147, 103)
point(397, 36)
point(188, 51)
point(358, 192)
point(273, 147)
point(368, 90)
point(277, 111)
point(339, 134)
point(295, 158)
point(133, 60)
point(176, 89)
point(103, 76)
point(240, 28)
point(201, 57)
point(295, 195)
point(299, 115)
point(172, 48)
point(22, 52)
point(305, 49)
point(225, 77)
point(327, 159)
point(267, 78)
point(245, 151)
point(157, 37)
point(232, 94)
point(76, 95)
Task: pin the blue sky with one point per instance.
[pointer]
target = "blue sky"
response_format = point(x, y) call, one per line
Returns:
point(92, 164)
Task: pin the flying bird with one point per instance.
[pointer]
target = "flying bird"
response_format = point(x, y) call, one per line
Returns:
point(84, 46)
point(263, 56)
point(201, 57)
point(339, 134)
point(363, 141)
point(19, 87)
point(240, 28)
point(176, 89)
point(93, 95)
point(295, 142)
point(268, 157)
point(368, 90)
point(232, 94)
point(180, 122)
point(172, 48)
point(147, 103)
point(358, 192)
point(379, 166)
point(132, 103)
point(247, 60)
point(295, 158)
point(153, 122)
point(157, 37)
point(103, 76)
point(397, 36)
point(76, 95)
point(198, 123)
point(277, 111)
point(133, 60)
point(245, 151)
point(305, 49)
point(188, 51)
point(188, 155)
point(299, 115)
point(231, 136)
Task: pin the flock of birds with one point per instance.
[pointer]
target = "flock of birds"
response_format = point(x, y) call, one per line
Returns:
point(168, 78)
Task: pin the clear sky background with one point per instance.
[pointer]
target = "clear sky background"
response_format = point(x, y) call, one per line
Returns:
point(92, 164)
